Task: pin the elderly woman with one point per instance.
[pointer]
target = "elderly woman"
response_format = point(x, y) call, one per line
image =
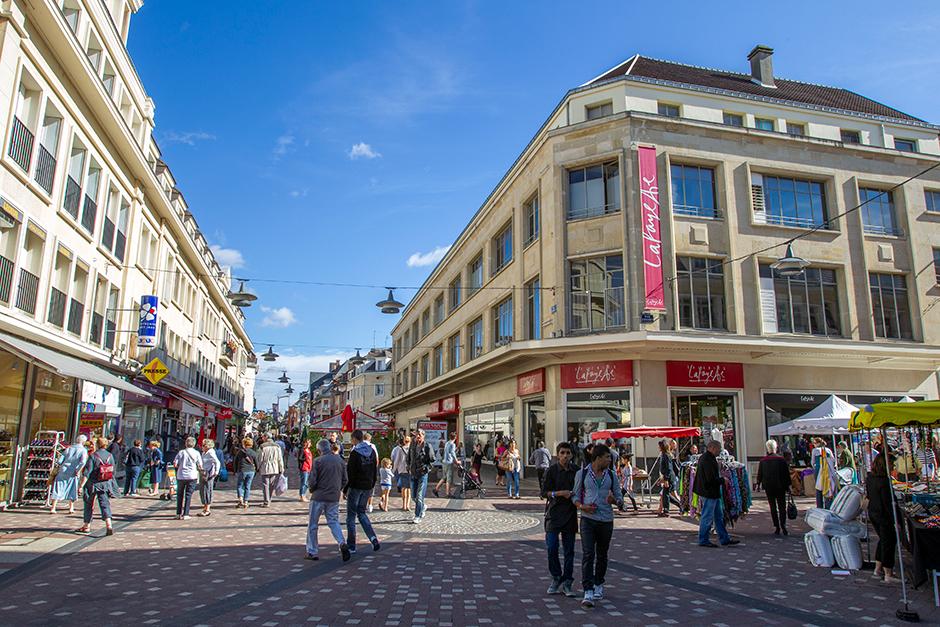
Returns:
point(210, 470)
point(773, 474)
point(65, 484)
point(98, 485)
point(155, 460)
point(188, 464)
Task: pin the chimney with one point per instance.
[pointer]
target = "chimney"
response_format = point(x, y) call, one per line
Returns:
point(762, 66)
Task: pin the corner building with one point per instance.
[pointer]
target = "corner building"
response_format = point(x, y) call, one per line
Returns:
point(537, 323)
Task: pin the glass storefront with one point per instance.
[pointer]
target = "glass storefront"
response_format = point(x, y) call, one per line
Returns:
point(486, 425)
point(708, 412)
point(12, 382)
point(588, 412)
point(53, 401)
point(535, 424)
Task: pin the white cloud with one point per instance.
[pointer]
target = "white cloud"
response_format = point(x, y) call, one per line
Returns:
point(419, 260)
point(280, 317)
point(363, 150)
point(229, 257)
point(299, 193)
point(298, 368)
point(189, 137)
point(282, 145)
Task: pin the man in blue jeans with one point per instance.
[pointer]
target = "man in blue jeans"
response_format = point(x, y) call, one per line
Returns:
point(420, 459)
point(707, 486)
point(327, 479)
point(362, 469)
point(561, 518)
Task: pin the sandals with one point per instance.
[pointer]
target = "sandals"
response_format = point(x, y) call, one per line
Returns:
point(83, 530)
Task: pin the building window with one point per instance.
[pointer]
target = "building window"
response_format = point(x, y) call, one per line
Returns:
point(453, 351)
point(764, 124)
point(425, 323)
point(796, 129)
point(808, 303)
point(905, 145)
point(593, 191)
point(932, 198)
point(693, 191)
point(438, 310)
point(502, 249)
point(533, 310)
point(791, 202)
point(878, 211)
point(426, 368)
point(889, 305)
point(700, 284)
point(733, 119)
point(475, 276)
point(415, 338)
point(850, 137)
point(596, 295)
point(936, 264)
point(669, 110)
point(530, 220)
point(414, 375)
point(475, 338)
point(406, 342)
point(455, 291)
point(438, 360)
point(502, 322)
point(593, 112)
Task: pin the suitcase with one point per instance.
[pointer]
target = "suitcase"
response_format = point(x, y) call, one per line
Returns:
point(847, 551)
point(848, 502)
point(825, 522)
point(818, 549)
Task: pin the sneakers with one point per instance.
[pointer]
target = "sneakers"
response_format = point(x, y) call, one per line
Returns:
point(566, 589)
point(417, 520)
point(598, 591)
point(588, 600)
point(731, 542)
point(375, 544)
point(369, 509)
point(344, 551)
point(352, 549)
point(308, 556)
point(709, 545)
point(555, 588)
point(185, 517)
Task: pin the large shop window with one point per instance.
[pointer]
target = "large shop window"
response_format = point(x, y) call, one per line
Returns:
point(53, 400)
point(588, 412)
point(693, 191)
point(12, 382)
point(700, 284)
point(596, 294)
point(708, 412)
point(890, 307)
point(535, 424)
point(593, 191)
point(808, 303)
point(486, 425)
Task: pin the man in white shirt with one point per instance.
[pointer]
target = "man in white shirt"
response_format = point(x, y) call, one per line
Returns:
point(188, 463)
point(448, 462)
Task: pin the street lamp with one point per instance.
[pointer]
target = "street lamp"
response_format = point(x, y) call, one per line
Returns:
point(390, 305)
point(270, 355)
point(241, 297)
point(789, 265)
point(283, 378)
point(357, 360)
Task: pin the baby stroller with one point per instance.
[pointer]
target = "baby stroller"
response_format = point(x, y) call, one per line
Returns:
point(471, 482)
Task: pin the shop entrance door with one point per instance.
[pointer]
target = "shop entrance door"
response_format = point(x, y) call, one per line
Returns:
point(708, 412)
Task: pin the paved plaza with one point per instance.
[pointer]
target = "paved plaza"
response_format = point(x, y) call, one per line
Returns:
point(471, 562)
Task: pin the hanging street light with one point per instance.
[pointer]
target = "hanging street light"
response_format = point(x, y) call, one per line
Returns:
point(241, 297)
point(390, 305)
point(289, 390)
point(357, 360)
point(283, 378)
point(789, 265)
point(270, 355)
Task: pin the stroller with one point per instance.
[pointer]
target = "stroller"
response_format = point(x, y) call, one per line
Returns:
point(471, 482)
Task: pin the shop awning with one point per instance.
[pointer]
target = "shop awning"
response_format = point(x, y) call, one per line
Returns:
point(66, 365)
point(647, 432)
point(879, 415)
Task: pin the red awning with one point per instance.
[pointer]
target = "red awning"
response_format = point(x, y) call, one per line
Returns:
point(647, 432)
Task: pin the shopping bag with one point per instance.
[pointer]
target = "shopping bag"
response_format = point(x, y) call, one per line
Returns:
point(144, 480)
point(792, 512)
point(223, 474)
point(280, 486)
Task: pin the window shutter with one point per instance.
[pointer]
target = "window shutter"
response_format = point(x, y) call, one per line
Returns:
point(768, 305)
point(757, 198)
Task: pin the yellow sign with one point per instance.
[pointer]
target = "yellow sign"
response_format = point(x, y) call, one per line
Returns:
point(155, 371)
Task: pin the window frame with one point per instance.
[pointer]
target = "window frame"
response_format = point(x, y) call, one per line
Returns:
point(453, 351)
point(503, 315)
point(936, 264)
point(502, 249)
point(607, 184)
point(531, 219)
point(882, 200)
point(471, 287)
point(932, 200)
point(813, 292)
point(855, 136)
point(610, 276)
point(606, 108)
point(796, 129)
point(894, 291)
point(680, 209)
point(711, 264)
point(759, 120)
point(475, 349)
point(731, 115)
point(533, 309)
point(909, 142)
point(794, 221)
point(455, 293)
point(665, 109)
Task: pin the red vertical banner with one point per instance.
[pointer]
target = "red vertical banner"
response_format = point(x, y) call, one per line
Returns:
point(652, 242)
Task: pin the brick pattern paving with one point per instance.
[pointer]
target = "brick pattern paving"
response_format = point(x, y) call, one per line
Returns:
point(473, 562)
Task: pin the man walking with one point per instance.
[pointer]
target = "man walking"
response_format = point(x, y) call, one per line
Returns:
point(596, 489)
point(561, 519)
point(707, 485)
point(270, 465)
point(420, 459)
point(541, 459)
point(327, 480)
point(448, 463)
point(362, 470)
point(773, 474)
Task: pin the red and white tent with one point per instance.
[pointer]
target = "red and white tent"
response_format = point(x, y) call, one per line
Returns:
point(647, 432)
point(349, 420)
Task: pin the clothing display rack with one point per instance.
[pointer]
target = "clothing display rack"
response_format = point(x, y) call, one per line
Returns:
point(41, 459)
point(735, 492)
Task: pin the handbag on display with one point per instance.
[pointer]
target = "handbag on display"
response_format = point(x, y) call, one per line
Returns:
point(792, 512)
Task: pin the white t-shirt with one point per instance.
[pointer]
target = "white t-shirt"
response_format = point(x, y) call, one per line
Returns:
point(188, 463)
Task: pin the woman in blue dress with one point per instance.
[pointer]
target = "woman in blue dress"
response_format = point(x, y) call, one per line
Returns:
point(156, 466)
point(65, 484)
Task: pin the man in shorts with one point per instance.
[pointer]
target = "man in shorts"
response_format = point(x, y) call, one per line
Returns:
point(448, 464)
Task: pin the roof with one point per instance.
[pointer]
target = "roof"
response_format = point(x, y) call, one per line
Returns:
point(793, 91)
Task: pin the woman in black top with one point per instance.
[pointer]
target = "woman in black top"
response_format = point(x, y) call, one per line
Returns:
point(667, 478)
point(878, 491)
point(246, 465)
point(476, 460)
point(95, 486)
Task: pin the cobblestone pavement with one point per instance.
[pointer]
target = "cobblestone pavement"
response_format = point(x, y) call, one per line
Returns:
point(471, 562)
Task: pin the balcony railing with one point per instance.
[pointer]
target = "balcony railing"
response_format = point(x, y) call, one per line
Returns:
point(107, 233)
point(879, 229)
point(76, 313)
point(795, 221)
point(97, 324)
point(89, 214)
point(21, 144)
point(73, 194)
point(27, 291)
point(6, 279)
point(45, 169)
point(597, 311)
point(57, 301)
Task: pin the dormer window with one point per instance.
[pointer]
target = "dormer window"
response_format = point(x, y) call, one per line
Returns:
point(796, 129)
point(593, 112)
point(668, 110)
point(905, 145)
point(733, 119)
point(850, 137)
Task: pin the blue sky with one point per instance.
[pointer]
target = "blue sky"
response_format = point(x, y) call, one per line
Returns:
point(333, 142)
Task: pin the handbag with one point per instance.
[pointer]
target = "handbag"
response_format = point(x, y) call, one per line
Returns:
point(792, 512)
point(506, 464)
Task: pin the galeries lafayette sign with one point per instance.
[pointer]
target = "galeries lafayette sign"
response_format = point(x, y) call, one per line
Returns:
point(531, 382)
point(597, 374)
point(652, 240)
point(704, 374)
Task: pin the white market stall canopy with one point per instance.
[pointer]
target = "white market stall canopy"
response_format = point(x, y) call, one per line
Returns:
point(830, 416)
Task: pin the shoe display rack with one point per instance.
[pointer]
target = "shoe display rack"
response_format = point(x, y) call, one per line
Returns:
point(7, 459)
point(40, 460)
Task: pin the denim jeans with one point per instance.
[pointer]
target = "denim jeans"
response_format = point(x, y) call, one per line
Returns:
point(317, 509)
point(184, 495)
point(554, 564)
point(88, 499)
point(712, 514)
point(356, 502)
point(131, 475)
point(205, 490)
point(419, 485)
point(304, 477)
point(243, 486)
point(595, 543)
point(512, 483)
point(821, 501)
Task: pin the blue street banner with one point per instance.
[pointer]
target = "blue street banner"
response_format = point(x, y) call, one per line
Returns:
point(147, 327)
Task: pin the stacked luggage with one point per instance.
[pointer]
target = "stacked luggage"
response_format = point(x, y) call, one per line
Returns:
point(836, 534)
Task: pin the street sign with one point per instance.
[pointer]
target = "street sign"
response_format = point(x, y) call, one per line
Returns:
point(155, 371)
point(147, 325)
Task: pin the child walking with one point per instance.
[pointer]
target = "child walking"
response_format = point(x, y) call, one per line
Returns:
point(625, 471)
point(385, 482)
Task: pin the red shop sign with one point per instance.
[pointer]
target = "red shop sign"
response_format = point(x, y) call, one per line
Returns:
point(434, 408)
point(224, 414)
point(704, 374)
point(652, 242)
point(449, 404)
point(531, 382)
point(597, 374)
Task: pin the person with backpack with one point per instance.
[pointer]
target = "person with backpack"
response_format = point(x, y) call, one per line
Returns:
point(98, 485)
point(596, 489)
point(362, 471)
point(304, 464)
point(561, 519)
point(188, 464)
point(420, 461)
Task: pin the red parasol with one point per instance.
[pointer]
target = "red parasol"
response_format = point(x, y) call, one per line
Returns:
point(647, 432)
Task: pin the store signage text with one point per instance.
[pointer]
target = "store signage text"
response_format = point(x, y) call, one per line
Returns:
point(531, 382)
point(704, 374)
point(147, 325)
point(155, 371)
point(652, 242)
point(224, 414)
point(597, 374)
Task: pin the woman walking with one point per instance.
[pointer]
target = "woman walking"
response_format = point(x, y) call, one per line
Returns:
point(304, 463)
point(667, 478)
point(500, 473)
point(98, 485)
point(246, 465)
point(512, 461)
point(65, 484)
point(156, 466)
point(880, 502)
point(476, 460)
point(188, 464)
point(210, 470)
point(134, 462)
point(400, 469)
